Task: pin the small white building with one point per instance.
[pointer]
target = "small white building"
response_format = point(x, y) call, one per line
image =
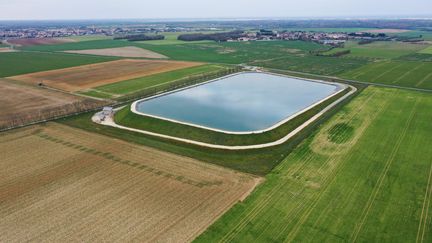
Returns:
point(108, 111)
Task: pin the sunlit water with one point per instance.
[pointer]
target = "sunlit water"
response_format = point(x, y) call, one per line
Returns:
point(241, 103)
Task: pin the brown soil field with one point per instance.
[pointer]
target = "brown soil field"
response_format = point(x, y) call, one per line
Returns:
point(39, 41)
point(3, 50)
point(129, 51)
point(390, 31)
point(22, 104)
point(93, 75)
point(71, 185)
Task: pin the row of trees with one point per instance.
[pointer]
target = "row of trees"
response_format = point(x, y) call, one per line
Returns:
point(223, 36)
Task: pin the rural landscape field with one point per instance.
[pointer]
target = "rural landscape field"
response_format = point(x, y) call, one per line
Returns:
point(190, 127)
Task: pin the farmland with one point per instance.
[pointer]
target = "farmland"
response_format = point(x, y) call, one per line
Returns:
point(234, 52)
point(364, 176)
point(171, 39)
point(292, 55)
point(381, 49)
point(426, 50)
point(401, 73)
point(90, 76)
point(128, 51)
point(313, 64)
point(360, 173)
point(39, 41)
point(17, 63)
point(153, 81)
point(82, 45)
point(22, 104)
point(94, 188)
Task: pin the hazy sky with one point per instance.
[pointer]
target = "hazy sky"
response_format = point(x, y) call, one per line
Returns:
point(109, 9)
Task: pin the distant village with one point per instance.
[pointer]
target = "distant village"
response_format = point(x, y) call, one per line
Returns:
point(48, 32)
point(118, 32)
point(325, 38)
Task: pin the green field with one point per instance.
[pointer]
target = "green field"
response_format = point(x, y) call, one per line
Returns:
point(365, 176)
point(135, 85)
point(171, 39)
point(16, 63)
point(379, 49)
point(313, 64)
point(127, 118)
point(88, 37)
point(289, 55)
point(329, 29)
point(83, 45)
point(426, 50)
point(426, 35)
point(235, 52)
point(400, 73)
point(421, 57)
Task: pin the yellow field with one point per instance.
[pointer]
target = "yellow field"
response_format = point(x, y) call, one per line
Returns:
point(61, 184)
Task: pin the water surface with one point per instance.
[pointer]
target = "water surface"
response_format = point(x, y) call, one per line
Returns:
point(240, 103)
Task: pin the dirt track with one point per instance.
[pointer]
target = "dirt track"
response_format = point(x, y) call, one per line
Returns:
point(71, 185)
point(129, 51)
point(93, 75)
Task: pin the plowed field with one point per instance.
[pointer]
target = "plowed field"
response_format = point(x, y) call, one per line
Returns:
point(61, 184)
point(93, 75)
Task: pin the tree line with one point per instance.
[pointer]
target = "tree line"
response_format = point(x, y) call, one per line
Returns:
point(219, 37)
point(140, 37)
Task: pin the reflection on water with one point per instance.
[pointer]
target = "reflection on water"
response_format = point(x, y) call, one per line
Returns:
point(240, 103)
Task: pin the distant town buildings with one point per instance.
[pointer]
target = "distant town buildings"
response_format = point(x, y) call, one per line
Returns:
point(325, 38)
point(50, 32)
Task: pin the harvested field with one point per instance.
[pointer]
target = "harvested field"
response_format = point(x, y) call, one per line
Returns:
point(92, 188)
point(94, 75)
point(22, 104)
point(3, 50)
point(40, 41)
point(128, 51)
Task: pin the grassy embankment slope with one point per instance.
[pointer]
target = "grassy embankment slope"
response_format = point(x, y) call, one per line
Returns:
point(365, 176)
point(127, 118)
point(258, 161)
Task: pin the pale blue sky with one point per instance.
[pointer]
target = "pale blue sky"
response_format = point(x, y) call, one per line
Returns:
point(110, 9)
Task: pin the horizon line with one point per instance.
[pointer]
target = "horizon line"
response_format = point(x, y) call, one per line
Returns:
point(179, 19)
